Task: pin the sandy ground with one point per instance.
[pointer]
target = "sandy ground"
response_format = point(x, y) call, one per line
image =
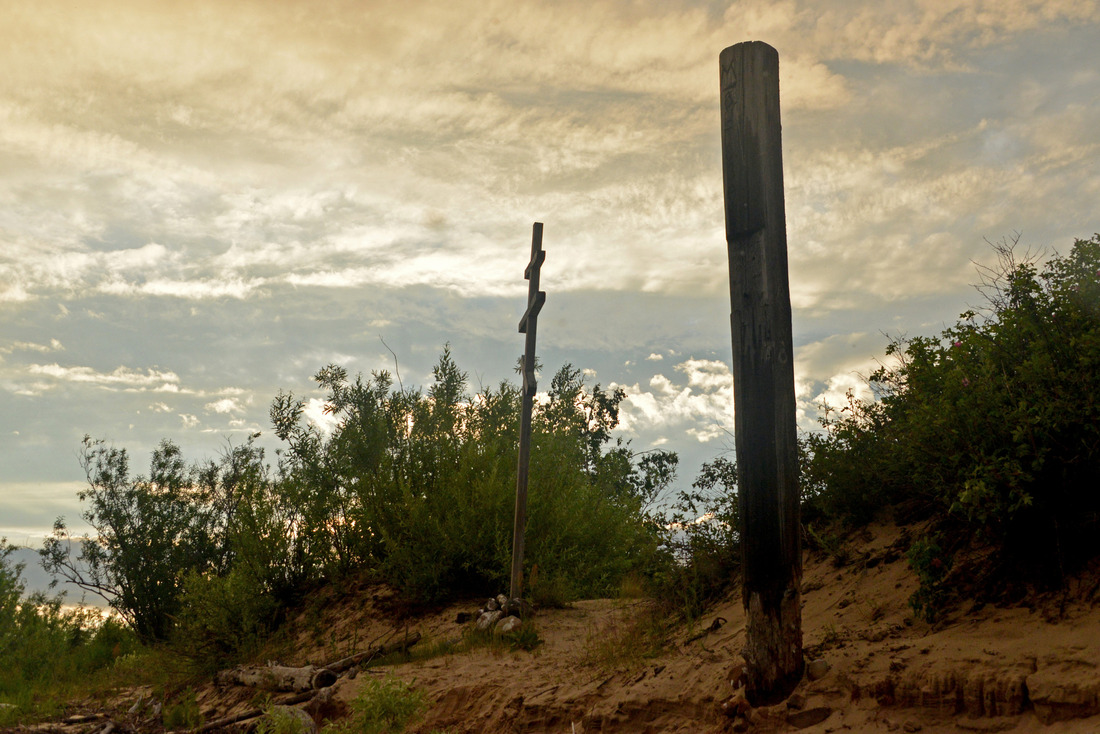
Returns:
point(986, 670)
point(991, 669)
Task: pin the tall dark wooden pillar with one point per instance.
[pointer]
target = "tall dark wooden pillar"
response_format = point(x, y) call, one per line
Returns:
point(763, 370)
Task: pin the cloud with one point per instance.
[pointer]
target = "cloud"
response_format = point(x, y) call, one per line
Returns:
point(225, 406)
point(121, 378)
point(19, 346)
point(328, 167)
point(918, 33)
point(280, 181)
point(827, 369)
point(702, 409)
point(314, 412)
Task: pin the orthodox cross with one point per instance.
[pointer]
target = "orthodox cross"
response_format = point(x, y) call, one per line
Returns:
point(527, 325)
point(763, 370)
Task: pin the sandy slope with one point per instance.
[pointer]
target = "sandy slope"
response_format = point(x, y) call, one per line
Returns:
point(990, 670)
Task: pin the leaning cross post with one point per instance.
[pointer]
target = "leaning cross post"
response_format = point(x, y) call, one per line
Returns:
point(763, 370)
point(527, 325)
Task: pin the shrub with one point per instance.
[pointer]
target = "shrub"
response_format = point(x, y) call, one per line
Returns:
point(44, 651)
point(703, 542)
point(149, 533)
point(992, 429)
point(223, 618)
point(416, 488)
point(383, 706)
point(283, 720)
point(932, 565)
point(422, 487)
point(183, 712)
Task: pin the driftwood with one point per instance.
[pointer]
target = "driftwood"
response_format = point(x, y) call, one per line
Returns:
point(714, 627)
point(278, 677)
point(308, 677)
point(253, 713)
point(379, 651)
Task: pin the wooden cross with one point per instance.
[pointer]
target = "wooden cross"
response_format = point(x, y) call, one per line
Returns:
point(527, 325)
point(763, 370)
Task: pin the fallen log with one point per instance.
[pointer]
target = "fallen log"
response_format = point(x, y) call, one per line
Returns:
point(252, 713)
point(379, 651)
point(307, 677)
point(278, 677)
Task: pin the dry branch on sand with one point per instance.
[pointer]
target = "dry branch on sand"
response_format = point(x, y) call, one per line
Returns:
point(307, 677)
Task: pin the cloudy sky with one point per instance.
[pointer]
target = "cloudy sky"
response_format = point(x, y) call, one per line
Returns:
point(203, 203)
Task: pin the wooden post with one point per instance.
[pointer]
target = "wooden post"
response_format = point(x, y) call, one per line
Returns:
point(527, 325)
point(763, 370)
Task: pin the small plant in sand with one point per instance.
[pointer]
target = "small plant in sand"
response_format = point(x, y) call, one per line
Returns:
point(630, 638)
point(525, 637)
point(383, 706)
point(183, 712)
point(282, 720)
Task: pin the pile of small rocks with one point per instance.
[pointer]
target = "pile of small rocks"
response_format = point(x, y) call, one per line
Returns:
point(501, 614)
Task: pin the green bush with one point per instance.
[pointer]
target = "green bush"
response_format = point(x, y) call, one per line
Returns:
point(46, 652)
point(416, 488)
point(422, 487)
point(282, 720)
point(215, 537)
point(992, 430)
point(149, 533)
point(702, 542)
point(932, 565)
point(182, 712)
point(383, 706)
point(223, 618)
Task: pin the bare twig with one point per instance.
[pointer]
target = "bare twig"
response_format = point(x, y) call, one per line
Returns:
point(396, 367)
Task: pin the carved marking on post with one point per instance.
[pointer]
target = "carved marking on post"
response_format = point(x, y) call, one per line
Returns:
point(527, 325)
point(763, 370)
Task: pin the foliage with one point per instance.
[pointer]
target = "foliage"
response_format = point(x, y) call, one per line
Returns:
point(525, 637)
point(45, 651)
point(183, 712)
point(929, 561)
point(149, 533)
point(383, 706)
point(209, 545)
point(414, 487)
point(628, 638)
point(222, 618)
point(281, 720)
point(420, 487)
point(703, 540)
point(992, 429)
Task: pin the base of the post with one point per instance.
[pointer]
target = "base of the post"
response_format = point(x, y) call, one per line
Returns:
point(773, 649)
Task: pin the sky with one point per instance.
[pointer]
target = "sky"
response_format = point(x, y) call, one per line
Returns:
point(202, 203)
